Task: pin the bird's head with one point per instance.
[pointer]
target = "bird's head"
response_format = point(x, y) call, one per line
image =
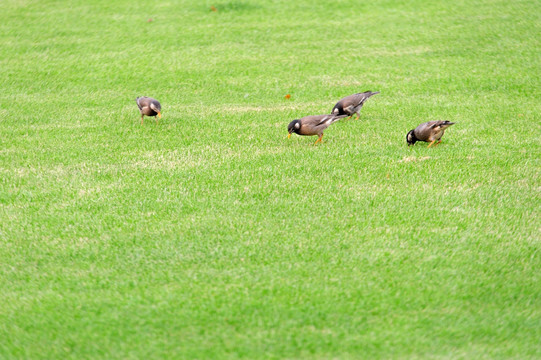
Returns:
point(338, 109)
point(293, 127)
point(410, 138)
point(157, 107)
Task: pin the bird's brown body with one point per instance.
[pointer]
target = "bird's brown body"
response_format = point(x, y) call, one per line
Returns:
point(312, 125)
point(352, 104)
point(149, 107)
point(431, 132)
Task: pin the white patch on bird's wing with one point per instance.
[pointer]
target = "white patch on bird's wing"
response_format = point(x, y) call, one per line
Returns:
point(297, 125)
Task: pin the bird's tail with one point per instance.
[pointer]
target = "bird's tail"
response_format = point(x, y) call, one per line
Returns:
point(336, 118)
point(446, 124)
point(442, 124)
point(362, 97)
point(370, 93)
point(330, 119)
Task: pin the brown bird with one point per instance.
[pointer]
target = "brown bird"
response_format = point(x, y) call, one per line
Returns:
point(312, 125)
point(431, 132)
point(149, 107)
point(352, 104)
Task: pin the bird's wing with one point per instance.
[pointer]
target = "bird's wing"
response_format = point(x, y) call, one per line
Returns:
point(142, 102)
point(315, 122)
point(423, 131)
point(312, 120)
point(327, 120)
point(324, 119)
point(351, 101)
point(440, 124)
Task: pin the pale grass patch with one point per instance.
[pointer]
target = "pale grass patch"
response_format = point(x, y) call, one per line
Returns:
point(278, 107)
point(172, 160)
point(361, 191)
point(92, 191)
point(19, 172)
point(63, 125)
point(414, 158)
point(9, 151)
point(166, 160)
point(419, 50)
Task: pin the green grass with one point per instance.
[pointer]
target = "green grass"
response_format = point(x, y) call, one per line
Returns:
point(211, 235)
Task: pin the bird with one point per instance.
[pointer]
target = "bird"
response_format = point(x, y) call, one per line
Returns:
point(431, 132)
point(149, 107)
point(352, 104)
point(312, 125)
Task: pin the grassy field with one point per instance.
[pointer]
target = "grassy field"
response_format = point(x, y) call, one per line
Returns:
point(213, 236)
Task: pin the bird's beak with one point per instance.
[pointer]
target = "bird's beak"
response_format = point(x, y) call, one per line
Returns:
point(288, 135)
point(160, 114)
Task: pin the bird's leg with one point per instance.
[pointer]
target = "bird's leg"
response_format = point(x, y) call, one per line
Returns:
point(431, 144)
point(358, 116)
point(319, 139)
point(436, 144)
point(142, 116)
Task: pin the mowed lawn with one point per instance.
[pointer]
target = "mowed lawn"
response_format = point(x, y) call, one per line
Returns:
point(213, 236)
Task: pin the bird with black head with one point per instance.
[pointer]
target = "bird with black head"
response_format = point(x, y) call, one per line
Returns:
point(352, 104)
point(431, 132)
point(149, 107)
point(312, 125)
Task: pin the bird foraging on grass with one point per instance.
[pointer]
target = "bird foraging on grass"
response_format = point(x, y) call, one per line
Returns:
point(352, 104)
point(149, 107)
point(431, 132)
point(312, 125)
